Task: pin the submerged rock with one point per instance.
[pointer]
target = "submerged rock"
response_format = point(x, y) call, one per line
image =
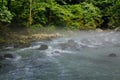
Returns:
point(56, 51)
point(70, 44)
point(43, 47)
point(112, 55)
point(8, 56)
point(2, 57)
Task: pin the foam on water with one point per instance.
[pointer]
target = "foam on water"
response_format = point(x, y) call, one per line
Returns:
point(55, 52)
point(31, 47)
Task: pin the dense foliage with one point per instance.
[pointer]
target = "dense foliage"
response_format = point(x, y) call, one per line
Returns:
point(5, 15)
point(74, 14)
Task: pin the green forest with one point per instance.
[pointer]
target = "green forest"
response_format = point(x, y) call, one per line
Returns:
point(72, 14)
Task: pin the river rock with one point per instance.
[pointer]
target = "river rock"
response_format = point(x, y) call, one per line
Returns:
point(1, 57)
point(112, 55)
point(8, 56)
point(99, 30)
point(43, 47)
point(70, 44)
point(21, 45)
point(56, 51)
point(117, 29)
point(4, 56)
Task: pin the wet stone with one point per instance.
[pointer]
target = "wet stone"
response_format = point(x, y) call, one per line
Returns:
point(112, 55)
point(43, 47)
point(8, 56)
point(70, 44)
point(1, 57)
point(4, 56)
point(57, 51)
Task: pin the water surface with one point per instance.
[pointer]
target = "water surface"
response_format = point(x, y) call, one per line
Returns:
point(78, 56)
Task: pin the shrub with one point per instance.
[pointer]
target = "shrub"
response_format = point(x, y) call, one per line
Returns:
point(5, 15)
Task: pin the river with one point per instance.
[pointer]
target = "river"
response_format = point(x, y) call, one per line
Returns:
point(78, 56)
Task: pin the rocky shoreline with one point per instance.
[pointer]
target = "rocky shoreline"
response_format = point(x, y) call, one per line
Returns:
point(20, 41)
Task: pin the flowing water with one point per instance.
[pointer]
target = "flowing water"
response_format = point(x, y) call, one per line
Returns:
point(78, 56)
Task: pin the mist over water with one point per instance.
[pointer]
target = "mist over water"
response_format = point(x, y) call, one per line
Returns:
point(76, 56)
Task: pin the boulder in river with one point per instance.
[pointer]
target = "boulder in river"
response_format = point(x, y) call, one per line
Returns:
point(2, 57)
point(8, 56)
point(43, 47)
point(70, 44)
point(112, 55)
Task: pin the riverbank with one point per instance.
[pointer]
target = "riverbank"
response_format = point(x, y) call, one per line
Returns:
point(23, 37)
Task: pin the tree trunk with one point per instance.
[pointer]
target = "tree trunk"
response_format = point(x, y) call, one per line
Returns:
point(30, 15)
point(8, 4)
point(2, 2)
point(23, 4)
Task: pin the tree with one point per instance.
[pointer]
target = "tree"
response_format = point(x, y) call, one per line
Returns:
point(5, 15)
point(8, 4)
point(30, 15)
